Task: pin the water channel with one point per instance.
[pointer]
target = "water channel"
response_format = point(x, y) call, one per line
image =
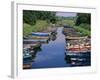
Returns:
point(52, 54)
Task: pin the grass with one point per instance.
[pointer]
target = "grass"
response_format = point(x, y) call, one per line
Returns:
point(84, 29)
point(68, 22)
point(65, 22)
point(39, 26)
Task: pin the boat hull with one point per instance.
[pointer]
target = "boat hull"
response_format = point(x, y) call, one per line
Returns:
point(40, 34)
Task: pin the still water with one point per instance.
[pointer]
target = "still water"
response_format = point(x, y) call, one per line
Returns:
point(52, 54)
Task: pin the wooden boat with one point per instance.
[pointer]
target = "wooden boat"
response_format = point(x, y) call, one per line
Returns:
point(78, 59)
point(26, 66)
point(40, 33)
point(74, 38)
point(33, 45)
point(78, 54)
point(40, 37)
point(26, 54)
point(29, 41)
point(78, 51)
point(78, 47)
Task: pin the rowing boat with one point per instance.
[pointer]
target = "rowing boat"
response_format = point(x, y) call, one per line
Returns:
point(77, 54)
point(40, 37)
point(41, 33)
point(74, 38)
point(33, 45)
point(27, 66)
point(29, 41)
point(26, 54)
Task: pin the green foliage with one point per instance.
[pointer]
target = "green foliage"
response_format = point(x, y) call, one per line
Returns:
point(30, 17)
point(85, 26)
point(83, 32)
point(83, 23)
point(39, 26)
point(68, 22)
point(27, 29)
point(83, 18)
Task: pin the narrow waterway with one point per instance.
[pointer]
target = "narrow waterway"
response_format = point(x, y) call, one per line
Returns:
point(52, 54)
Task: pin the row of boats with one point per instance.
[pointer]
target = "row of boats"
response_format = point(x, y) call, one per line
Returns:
point(78, 49)
point(32, 44)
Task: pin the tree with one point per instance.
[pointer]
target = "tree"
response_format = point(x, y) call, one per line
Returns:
point(83, 18)
point(30, 16)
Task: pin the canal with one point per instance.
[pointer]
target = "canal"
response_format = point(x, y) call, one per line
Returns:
point(52, 55)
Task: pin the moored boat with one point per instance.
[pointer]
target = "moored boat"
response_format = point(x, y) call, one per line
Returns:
point(29, 41)
point(33, 45)
point(40, 37)
point(26, 54)
point(27, 66)
point(78, 59)
point(74, 38)
point(78, 47)
point(41, 33)
point(78, 54)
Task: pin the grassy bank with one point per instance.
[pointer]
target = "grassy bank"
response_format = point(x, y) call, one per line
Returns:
point(84, 32)
point(84, 29)
point(68, 22)
point(39, 26)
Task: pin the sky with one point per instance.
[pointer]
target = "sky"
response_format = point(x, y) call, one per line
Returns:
point(66, 14)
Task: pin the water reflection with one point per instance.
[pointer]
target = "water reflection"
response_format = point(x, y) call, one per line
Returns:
point(52, 54)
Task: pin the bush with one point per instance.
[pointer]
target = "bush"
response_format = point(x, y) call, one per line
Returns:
point(85, 26)
point(83, 32)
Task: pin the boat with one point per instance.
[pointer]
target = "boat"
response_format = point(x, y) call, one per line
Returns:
point(41, 33)
point(74, 38)
point(29, 41)
point(78, 54)
point(76, 59)
point(40, 37)
point(33, 45)
point(26, 54)
point(80, 61)
point(78, 47)
point(26, 66)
